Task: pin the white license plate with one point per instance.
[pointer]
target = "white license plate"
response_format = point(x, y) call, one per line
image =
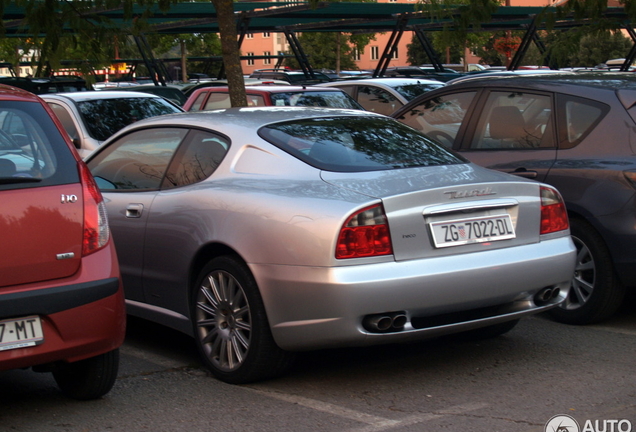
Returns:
point(20, 333)
point(474, 230)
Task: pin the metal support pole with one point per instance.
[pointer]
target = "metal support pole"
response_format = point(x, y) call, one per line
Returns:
point(391, 46)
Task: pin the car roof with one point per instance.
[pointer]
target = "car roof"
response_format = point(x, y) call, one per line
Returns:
point(604, 80)
point(270, 89)
point(15, 93)
point(96, 94)
point(242, 119)
point(389, 82)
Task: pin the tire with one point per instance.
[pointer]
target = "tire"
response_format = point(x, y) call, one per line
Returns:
point(88, 379)
point(231, 327)
point(595, 293)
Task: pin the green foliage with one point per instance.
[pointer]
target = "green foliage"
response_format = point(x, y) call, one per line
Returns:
point(322, 49)
point(586, 47)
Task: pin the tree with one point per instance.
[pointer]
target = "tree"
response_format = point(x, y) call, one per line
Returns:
point(331, 50)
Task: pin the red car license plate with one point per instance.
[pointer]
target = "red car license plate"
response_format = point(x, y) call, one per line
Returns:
point(20, 333)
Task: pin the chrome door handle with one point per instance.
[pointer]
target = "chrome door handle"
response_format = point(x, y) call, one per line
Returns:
point(134, 210)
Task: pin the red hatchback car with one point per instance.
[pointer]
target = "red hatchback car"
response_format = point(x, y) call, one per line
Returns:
point(208, 98)
point(61, 298)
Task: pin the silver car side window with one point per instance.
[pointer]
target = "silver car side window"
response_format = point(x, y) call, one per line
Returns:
point(137, 161)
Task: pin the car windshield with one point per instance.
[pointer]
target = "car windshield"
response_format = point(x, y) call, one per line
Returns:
point(411, 91)
point(334, 99)
point(357, 144)
point(104, 117)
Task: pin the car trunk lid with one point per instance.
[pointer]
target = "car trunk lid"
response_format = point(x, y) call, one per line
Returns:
point(436, 211)
point(40, 230)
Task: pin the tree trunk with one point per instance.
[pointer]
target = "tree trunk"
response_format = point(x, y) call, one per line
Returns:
point(230, 51)
point(184, 55)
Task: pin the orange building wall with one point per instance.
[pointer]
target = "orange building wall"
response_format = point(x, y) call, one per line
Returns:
point(260, 44)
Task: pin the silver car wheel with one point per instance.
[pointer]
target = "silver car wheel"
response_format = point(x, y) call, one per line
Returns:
point(584, 277)
point(223, 320)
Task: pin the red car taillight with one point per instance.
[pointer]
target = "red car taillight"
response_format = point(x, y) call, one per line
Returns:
point(554, 217)
point(96, 232)
point(365, 234)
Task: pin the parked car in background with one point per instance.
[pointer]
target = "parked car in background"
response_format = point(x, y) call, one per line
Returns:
point(271, 95)
point(90, 118)
point(295, 77)
point(384, 95)
point(188, 89)
point(264, 231)
point(573, 131)
point(171, 92)
point(61, 299)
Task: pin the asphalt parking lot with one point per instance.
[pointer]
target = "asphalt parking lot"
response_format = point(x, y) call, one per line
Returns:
point(514, 383)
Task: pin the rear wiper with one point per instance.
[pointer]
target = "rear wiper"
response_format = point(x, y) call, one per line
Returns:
point(13, 180)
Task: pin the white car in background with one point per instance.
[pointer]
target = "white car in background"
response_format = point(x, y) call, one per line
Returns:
point(385, 95)
point(91, 117)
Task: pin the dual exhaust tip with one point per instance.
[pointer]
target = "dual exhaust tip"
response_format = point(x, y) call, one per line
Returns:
point(546, 295)
point(385, 322)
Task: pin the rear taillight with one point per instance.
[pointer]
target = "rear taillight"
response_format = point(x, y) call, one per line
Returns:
point(365, 234)
point(554, 217)
point(96, 232)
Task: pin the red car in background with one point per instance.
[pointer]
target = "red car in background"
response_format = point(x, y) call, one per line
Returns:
point(61, 298)
point(209, 98)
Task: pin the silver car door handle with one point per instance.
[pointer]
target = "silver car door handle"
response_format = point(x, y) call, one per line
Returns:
point(134, 210)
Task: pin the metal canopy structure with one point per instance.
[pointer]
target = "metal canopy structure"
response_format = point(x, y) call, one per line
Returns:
point(290, 18)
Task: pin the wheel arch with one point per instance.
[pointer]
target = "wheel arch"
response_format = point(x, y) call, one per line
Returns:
point(203, 256)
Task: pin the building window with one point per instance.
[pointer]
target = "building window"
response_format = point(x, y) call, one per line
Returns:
point(267, 34)
point(375, 53)
point(356, 54)
point(395, 55)
point(249, 35)
point(267, 61)
point(250, 61)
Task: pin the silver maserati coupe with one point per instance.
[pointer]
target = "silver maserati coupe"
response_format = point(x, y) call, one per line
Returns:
point(266, 231)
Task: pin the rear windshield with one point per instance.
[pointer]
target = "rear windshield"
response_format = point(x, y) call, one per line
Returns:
point(104, 117)
point(334, 99)
point(33, 152)
point(357, 144)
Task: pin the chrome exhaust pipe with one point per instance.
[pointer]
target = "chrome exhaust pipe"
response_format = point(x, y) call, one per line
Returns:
point(555, 293)
point(378, 322)
point(545, 295)
point(398, 321)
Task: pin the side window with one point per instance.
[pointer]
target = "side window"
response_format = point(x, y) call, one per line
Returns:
point(377, 100)
point(65, 118)
point(137, 161)
point(196, 105)
point(198, 157)
point(218, 101)
point(577, 118)
point(440, 118)
point(514, 120)
point(255, 100)
point(350, 90)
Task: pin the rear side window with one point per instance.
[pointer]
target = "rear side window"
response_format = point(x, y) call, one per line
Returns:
point(577, 118)
point(357, 144)
point(33, 152)
point(104, 117)
point(137, 161)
